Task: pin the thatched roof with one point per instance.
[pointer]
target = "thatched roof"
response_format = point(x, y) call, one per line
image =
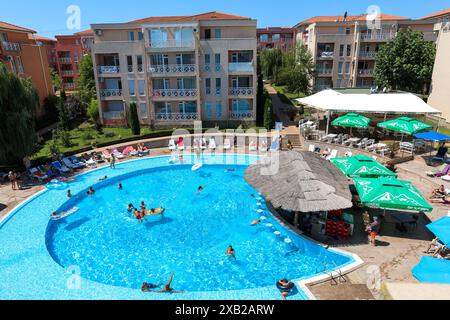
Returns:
point(304, 183)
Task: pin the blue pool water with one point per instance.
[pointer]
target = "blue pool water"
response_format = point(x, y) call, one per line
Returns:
point(112, 248)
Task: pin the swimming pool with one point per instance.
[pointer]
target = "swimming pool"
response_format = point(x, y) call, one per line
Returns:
point(114, 254)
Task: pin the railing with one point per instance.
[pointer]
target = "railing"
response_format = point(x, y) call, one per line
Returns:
point(240, 67)
point(108, 69)
point(379, 37)
point(130, 69)
point(241, 91)
point(69, 86)
point(365, 72)
point(242, 115)
point(173, 68)
point(172, 44)
point(174, 93)
point(167, 117)
point(326, 54)
point(10, 46)
point(114, 115)
point(65, 60)
point(368, 54)
point(324, 71)
point(67, 73)
point(140, 68)
point(110, 93)
point(217, 67)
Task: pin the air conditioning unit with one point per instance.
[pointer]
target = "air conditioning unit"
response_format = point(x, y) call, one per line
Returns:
point(195, 30)
point(99, 32)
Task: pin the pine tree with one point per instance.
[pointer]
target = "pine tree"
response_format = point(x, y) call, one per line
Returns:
point(134, 120)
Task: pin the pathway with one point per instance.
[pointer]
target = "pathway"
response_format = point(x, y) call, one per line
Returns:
point(279, 107)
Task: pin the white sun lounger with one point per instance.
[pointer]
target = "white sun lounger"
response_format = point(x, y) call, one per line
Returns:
point(227, 144)
point(172, 145)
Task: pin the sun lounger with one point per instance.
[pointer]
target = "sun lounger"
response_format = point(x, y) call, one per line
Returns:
point(130, 151)
point(91, 162)
point(253, 146)
point(70, 164)
point(60, 167)
point(118, 154)
point(172, 145)
point(38, 174)
point(76, 161)
point(227, 144)
point(212, 144)
point(106, 154)
point(47, 171)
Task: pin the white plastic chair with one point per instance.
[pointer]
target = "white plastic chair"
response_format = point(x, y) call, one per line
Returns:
point(312, 148)
point(333, 154)
point(172, 145)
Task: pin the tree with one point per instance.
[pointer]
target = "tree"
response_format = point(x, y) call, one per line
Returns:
point(298, 70)
point(18, 103)
point(269, 117)
point(406, 63)
point(134, 120)
point(92, 111)
point(63, 113)
point(260, 95)
point(86, 80)
point(271, 62)
point(56, 80)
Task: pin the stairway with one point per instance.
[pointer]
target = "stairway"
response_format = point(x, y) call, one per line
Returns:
point(292, 134)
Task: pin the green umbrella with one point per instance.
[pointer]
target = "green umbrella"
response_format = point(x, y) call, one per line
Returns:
point(389, 193)
point(362, 166)
point(405, 125)
point(352, 120)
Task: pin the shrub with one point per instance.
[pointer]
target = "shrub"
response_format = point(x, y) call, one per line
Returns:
point(92, 111)
point(86, 136)
point(54, 148)
point(134, 120)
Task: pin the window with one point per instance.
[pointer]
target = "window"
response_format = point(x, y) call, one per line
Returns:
point(347, 31)
point(240, 106)
point(341, 50)
point(207, 34)
point(160, 60)
point(187, 83)
point(130, 63)
point(242, 56)
point(264, 38)
point(163, 108)
point(218, 110)
point(184, 36)
point(218, 86)
point(208, 85)
point(13, 64)
point(187, 107)
point(75, 56)
point(20, 64)
point(161, 84)
point(140, 35)
point(207, 59)
point(131, 36)
point(347, 67)
point(131, 87)
point(143, 110)
point(208, 110)
point(217, 58)
point(341, 30)
point(340, 66)
point(158, 38)
point(3, 37)
point(141, 87)
point(140, 64)
point(218, 33)
point(276, 37)
point(349, 50)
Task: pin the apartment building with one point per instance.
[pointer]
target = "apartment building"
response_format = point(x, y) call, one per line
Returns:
point(177, 70)
point(344, 48)
point(23, 54)
point(69, 52)
point(440, 87)
point(275, 37)
point(50, 48)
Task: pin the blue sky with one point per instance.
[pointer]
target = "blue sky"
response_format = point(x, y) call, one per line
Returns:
point(48, 17)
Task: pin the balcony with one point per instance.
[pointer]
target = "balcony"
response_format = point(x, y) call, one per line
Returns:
point(67, 73)
point(173, 69)
point(325, 55)
point(69, 86)
point(65, 60)
point(365, 72)
point(111, 93)
point(176, 117)
point(377, 37)
point(241, 67)
point(242, 115)
point(105, 70)
point(324, 71)
point(241, 91)
point(10, 46)
point(163, 94)
point(169, 44)
point(368, 54)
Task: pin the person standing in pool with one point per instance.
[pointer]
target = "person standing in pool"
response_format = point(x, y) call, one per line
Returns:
point(69, 194)
point(231, 252)
point(200, 189)
point(120, 186)
point(90, 192)
point(285, 286)
point(143, 206)
point(113, 161)
point(131, 208)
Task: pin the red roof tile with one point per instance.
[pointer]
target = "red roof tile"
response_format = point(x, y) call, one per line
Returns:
point(437, 14)
point(4, 25)
point(203, 16)
point(88, 32)
point(40, 38)
point(361, 17)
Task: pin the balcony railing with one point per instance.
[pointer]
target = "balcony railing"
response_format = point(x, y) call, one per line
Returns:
point(10, 46)
point(242, 115)
point(326, 55)
point(240, 67)
point(174, 93)
point(110, 93)
point(69, 86)
point(241, 91)
point(114, 115)
point(368, 54)
point(67, 73)
point(108, 69)
point(377, 37)
point(217, 67)
point(173, 68)
point(326, 71)
point(365, 72)
point(169, 117)
point(65, 60)
point(172, 44)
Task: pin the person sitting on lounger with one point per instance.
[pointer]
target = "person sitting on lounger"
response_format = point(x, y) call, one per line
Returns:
point(437, 245)
point(168, 287)
point(438, 193)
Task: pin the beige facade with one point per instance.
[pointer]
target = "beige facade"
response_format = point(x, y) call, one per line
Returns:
point(177, 70)
point(440, 88)
point(344, 50)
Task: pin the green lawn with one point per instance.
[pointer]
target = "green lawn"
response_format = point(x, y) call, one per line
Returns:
point(286, 96)
point(445, 131)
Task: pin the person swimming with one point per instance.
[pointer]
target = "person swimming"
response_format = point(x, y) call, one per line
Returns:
point(69, 194)
point(131, 208)
point(103, 179)
point(91, 191)
point(168, 287)
point(200, 189)
point(143, 206)
point(120, 186)
point(146, 287)
point(231, 252)
point(255, 222)
point(138, 215)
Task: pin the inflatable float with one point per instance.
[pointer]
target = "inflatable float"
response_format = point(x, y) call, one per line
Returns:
point(65, 214)
point(197, 166)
